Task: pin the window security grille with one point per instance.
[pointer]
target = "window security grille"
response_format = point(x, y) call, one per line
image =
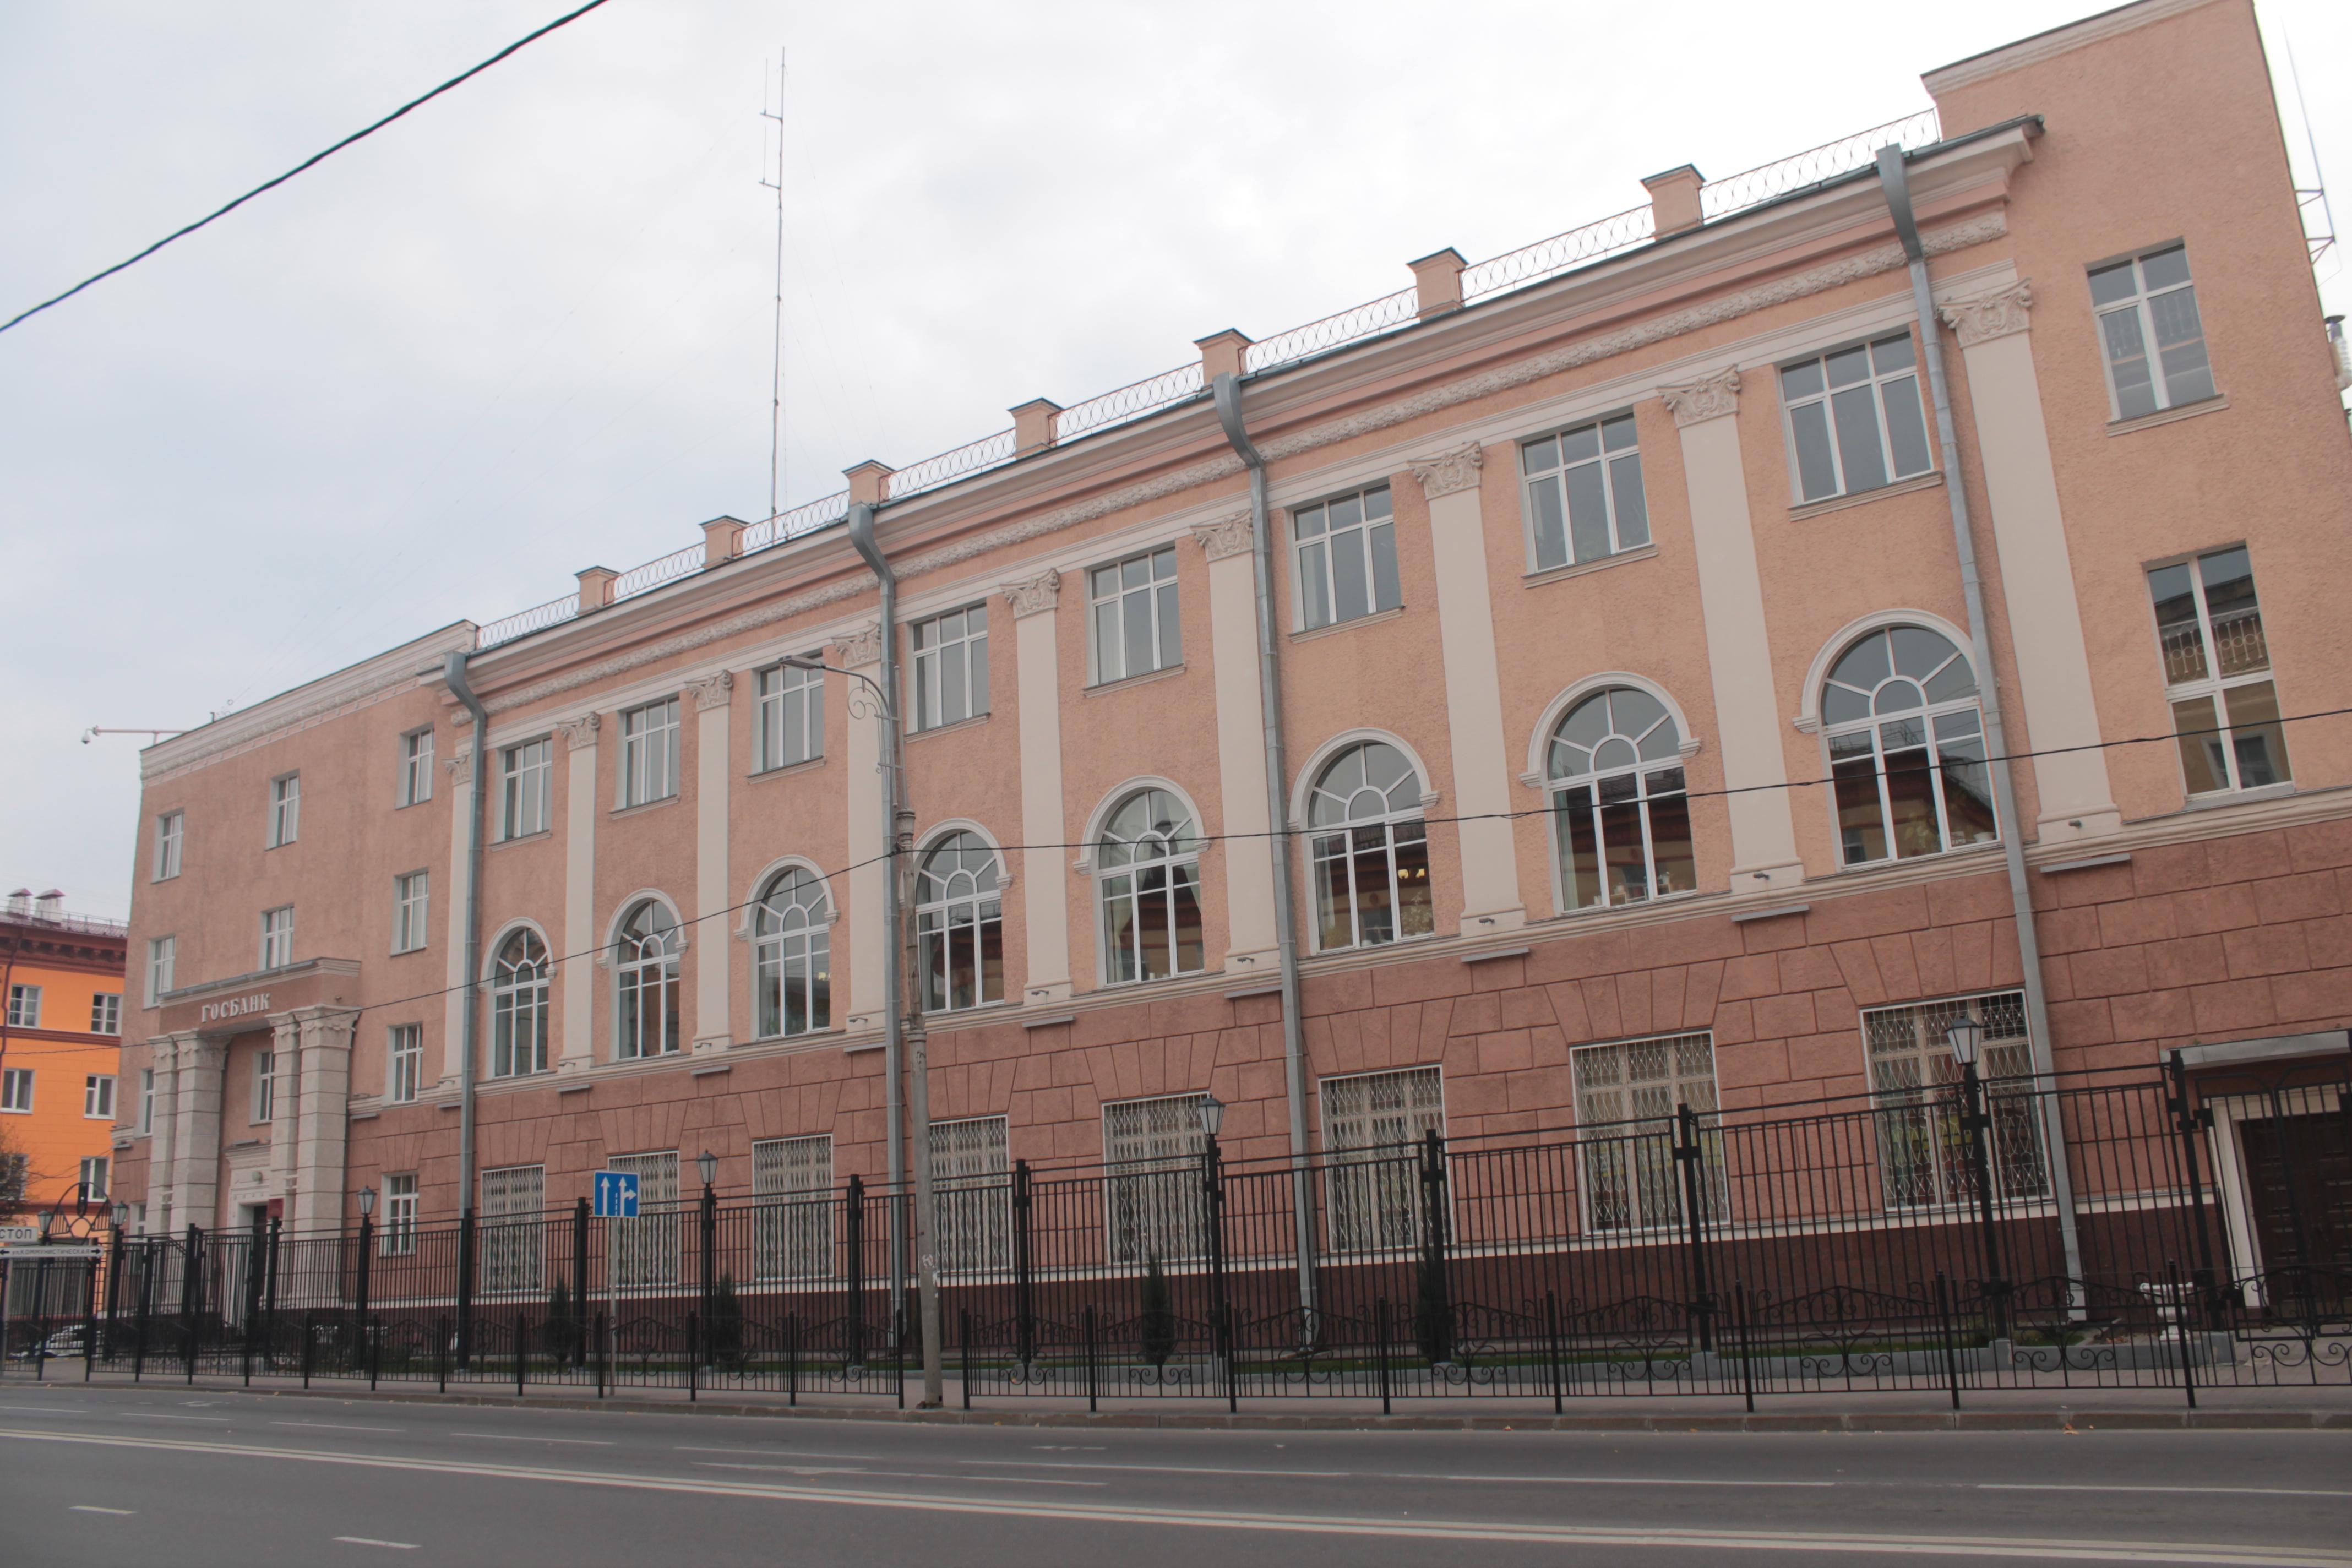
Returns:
point(792, 1190)
point(1626, 1095)
point(972, 1182)
point(1584, 493)
point(644, 1249)
point(1152, 1193)
point(514, 1247)
point(1924, 1153)
point(399, 1233)
point(1372, 1126)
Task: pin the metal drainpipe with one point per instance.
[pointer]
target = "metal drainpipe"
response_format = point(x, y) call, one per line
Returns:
point(1894, 181)
point(453, 670)
point(897, 828)
point(1227, 393)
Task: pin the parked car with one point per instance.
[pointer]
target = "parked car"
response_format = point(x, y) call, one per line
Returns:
point(64, 1342)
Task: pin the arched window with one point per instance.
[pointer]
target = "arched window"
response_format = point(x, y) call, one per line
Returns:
point(1371, 876)
point(792, 955)
point(646, 960)
point(518, 1006)
point(959, 918)
point(1621, 821)
point(1148, 874)
point(1907, 748)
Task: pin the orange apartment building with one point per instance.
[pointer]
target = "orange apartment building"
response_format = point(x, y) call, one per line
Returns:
point(1663, 663)
point(60, 1054)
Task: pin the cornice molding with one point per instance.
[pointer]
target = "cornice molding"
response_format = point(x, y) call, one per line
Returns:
point(1034, 595)
point(1226, 536)
point(1456, 468)
point(712, 690)
point(2056, 41)
point(1708, 397)
point(1984, 317)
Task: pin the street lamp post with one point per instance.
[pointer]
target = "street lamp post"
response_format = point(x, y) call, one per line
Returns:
point(1212, 1207)
point(706, 1163)
point(1965, 1037)
point(367, 1253)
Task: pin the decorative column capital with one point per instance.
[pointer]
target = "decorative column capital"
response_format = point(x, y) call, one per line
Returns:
point(1034, 595)
point(1984, 317)
point(1708, 397)
point(1226, 536)
point(712, 690)
point(579, 733)
point(460, 766)
point(863, 646)
point(1456, 468)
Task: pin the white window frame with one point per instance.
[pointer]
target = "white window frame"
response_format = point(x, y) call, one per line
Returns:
point(1936, 716)
point(412, 898)
point(264, 1085)
point(647, 965)
point(643, 1253)
point(791, 945)
point(416, 786)
point(162, 959)
point(1552, 482)
point(285, 810)
point(791, 1213)
point(171, 829)
point(1643, 769)
point(972, 1182)
point(2215, 643)
point(948, 652)
point(404, 1062)
point(146, 1125)
point(1336, 837)
point(649, 754)
point(1880, 383)
point(1365, 539)
point(1140, 923)
point(1627, 1092)
point(96, 1178)
point(1373, 1126)
point(105, 1013)
point(526, 787)
point(398, 1236)
point(790, 708)
point(25, 1006)
point(278, 937)
point(1152, 1208)
point(97, 1097)
point(2136, 312)
point(1133, 596)
point(519, 970)
point(17, 1090)
point(959, 909)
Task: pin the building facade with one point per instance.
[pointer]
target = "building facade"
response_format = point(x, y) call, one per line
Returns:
point(1639, 740)
point(60, 1055)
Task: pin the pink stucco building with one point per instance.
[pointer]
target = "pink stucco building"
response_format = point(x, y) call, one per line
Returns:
point(1602, 674)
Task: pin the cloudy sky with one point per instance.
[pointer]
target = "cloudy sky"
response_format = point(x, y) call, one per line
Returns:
point(528, 329)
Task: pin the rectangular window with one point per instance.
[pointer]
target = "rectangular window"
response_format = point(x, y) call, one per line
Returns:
point(513, 1242)
point(792, 715)
point(1346, 557)
point(2217, 673)
point(644, 1249)
point(278, 937)
point(415, 768)
point(161, 954)
point(285, 809)
point(1627, 1097)
point(951, 655)
point(1584, 493)
point(792, 1197)
point(1136, 627)
point(16, 1090)
point(1373, 1125)
point(649, 752)
point(526, 787)
point(105, 1013)
point(403, 1055)
point(96, 1170)
point(399, 1231)
point(971, 1178)
point(410, 895)
point(169, 828)
point(264, 1085)
point(1855, 421)
point(1925, 1153)
point(2147, 300)
point(146, 1102)
point(24, 1007)
point(97, 1097)
point(1151, 1189)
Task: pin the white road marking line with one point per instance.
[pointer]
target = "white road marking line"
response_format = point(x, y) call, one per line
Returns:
point(1611, 1480)
point(93, 1507)
point(775, 1453)
point(2226, 1492)
point(363, 1540)
point(332, 1427)
point(40, 1409)
point(898, 1475)
point(518, 1438)
point(1162, 1469)
point(148, 1415)
point(2005, 1547)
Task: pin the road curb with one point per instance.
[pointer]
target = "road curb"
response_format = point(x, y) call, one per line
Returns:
point(1880, 1421)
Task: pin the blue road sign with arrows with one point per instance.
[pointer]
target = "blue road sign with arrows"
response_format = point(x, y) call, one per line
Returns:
point(617, 1194)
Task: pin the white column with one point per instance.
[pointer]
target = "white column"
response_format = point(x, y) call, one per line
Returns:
point(1241, 745)
point(1045, 909)
point(1738, 653)
point(196, 1133)
point(1474, 693)
point(869, 837)
point(164, 1056)
point(2037, 574)
point(709, 941)
point(575, 1043)
point(325, 1049)
point(461, 875)
point(285, 1090)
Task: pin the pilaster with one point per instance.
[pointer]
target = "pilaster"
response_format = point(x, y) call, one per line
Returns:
point(461, 878)
point(324, 1044)
point(196, 1132)
point(575, 1019)
point(713, 771)
point(1045, 905)
point(163, 1057)
point(285, 1089)
point(1228, 543)
point(869, 879)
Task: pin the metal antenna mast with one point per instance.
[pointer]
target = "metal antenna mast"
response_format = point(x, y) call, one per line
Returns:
point(776, 375)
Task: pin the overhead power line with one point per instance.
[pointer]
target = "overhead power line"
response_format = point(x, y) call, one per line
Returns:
point(305, 163)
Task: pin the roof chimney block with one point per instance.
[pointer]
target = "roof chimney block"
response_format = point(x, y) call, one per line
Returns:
point(1674, 200)
point(1224, 354)
point(1438, 280)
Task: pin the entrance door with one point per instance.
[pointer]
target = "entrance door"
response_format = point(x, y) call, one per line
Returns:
point(2299, 1187)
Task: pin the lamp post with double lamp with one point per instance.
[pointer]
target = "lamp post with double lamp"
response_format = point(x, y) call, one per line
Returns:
point(706, 1163)
point(367, 1254)
point(1213, 1211)
point(909, 1018)
point(1965, 1037)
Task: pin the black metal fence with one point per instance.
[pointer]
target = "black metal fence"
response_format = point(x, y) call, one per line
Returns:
point(1916, 1241)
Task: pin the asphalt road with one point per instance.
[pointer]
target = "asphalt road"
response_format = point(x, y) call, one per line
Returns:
point(158, 1478)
